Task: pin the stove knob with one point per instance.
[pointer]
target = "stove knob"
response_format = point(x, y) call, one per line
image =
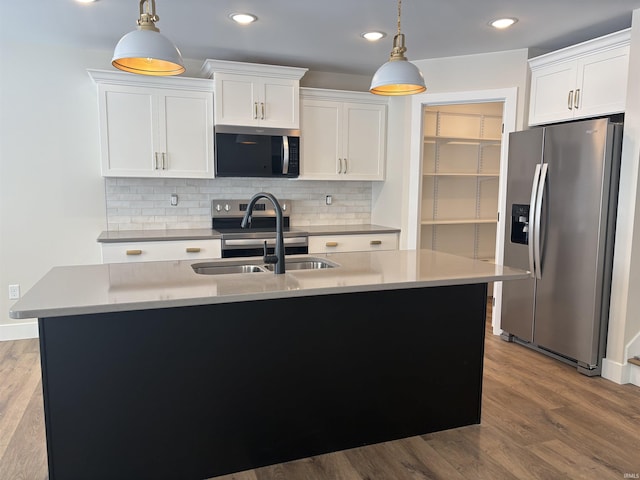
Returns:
point(218, 207)
point(227, 207)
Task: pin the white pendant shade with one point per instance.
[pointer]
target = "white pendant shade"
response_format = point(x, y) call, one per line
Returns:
point(397, 77)
point(147, 52)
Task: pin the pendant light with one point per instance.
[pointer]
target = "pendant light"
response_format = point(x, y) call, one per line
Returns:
point(398, 76)
point(145, 50)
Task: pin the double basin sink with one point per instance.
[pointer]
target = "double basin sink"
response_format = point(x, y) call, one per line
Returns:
point(243, 266)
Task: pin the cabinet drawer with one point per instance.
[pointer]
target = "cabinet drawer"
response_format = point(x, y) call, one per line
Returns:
point(353, 243)
point(161, 250)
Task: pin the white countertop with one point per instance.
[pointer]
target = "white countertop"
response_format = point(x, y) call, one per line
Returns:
point(86, 289)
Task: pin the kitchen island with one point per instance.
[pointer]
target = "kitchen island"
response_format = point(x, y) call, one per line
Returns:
point(151, 370)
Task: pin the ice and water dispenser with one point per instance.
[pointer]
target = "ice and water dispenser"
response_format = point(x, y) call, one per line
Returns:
point(520, 224)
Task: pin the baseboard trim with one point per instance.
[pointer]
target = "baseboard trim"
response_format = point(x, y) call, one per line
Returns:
point(620, 373)
point(19, 331)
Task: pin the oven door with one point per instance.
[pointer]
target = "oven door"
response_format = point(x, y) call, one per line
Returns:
point(254, 247)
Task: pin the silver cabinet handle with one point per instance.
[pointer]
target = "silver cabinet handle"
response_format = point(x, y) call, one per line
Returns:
point(164, 161)
point(532, 215)
point(346, 166)
point(576, 99)
point(155, 156)
point(262, 109)
point(339, 165)
point(255, 110)
point(570, 100)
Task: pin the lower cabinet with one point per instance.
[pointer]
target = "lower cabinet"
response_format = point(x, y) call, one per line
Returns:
point(353, 243)
point(163, 250)
point(122, 252)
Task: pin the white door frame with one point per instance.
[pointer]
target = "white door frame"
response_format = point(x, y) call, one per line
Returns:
point(507, 95)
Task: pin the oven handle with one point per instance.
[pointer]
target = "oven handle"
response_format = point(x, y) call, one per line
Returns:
point(259, 242)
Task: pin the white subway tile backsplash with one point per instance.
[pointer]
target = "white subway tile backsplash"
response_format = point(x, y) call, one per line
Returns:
point(144, 203)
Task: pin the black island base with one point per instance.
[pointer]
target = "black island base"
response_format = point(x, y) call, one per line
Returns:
point(196, 392)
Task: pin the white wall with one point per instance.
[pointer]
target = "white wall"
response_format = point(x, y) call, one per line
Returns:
point(451, 74)
point(624, 321)
point(51, 192)
point(337, 81)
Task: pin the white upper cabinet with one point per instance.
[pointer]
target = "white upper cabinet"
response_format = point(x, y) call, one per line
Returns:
point(343, 135)
point(154, 127)
point(581, 81)
point(255, 101)
point(250, 94)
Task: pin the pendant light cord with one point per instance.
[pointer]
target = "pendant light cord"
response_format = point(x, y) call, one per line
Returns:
point(399, 11)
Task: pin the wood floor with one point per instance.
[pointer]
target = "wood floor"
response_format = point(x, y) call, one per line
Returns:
point(540, 420)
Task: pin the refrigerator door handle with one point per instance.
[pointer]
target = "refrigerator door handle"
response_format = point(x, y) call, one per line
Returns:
point(532, 203)
point(538, 214)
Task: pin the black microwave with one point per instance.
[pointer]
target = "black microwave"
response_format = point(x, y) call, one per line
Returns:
point(256, 152)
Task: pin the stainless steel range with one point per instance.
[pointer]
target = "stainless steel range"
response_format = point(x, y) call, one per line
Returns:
point(226, 216)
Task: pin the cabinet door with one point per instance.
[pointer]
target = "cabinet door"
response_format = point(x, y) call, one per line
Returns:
point(364, 141)
point(235, 100)
point(186, 134)
point(127, 131)
point(256, 101)
point(281, 101)
point(602, 80)
point(550, 87)
point(321, 139)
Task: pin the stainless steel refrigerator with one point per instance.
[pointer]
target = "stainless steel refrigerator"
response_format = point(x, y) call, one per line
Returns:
point(562, 191)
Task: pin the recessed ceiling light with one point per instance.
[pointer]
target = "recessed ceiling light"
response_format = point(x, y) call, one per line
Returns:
point(373, 36)
point(243, 18)
point(503, 22)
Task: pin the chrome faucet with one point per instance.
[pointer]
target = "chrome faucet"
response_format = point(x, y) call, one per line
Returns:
point(278, 258)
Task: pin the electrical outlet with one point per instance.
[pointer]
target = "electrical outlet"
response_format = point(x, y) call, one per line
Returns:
point(174, 199)
point(14, 292)
point(328, 200)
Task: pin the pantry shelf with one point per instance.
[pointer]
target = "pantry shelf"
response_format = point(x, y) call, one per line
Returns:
point(462, 221)
point(460, 178)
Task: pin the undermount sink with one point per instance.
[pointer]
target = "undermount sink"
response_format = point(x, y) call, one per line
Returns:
point(305, 263)
point(216, 268)
point(221, 268)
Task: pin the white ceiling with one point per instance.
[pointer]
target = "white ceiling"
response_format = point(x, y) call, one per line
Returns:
point(322, 35)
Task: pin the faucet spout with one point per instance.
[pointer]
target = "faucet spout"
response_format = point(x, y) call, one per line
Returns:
point(246, 221)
